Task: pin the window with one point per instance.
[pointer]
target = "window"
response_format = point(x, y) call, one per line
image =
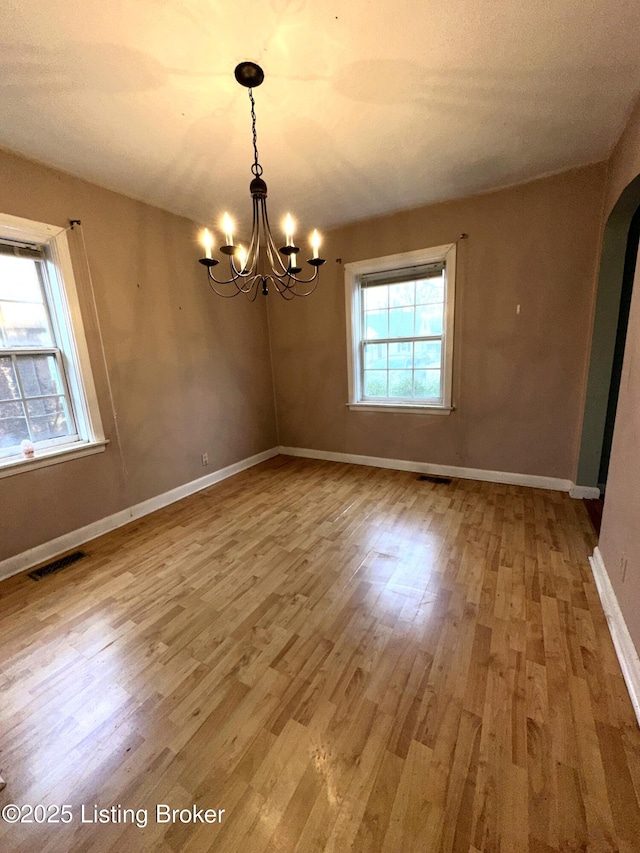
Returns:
point(400, 327)
point(47, 396)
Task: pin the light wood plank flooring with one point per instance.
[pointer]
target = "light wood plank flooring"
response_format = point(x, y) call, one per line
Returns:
point(342, 658)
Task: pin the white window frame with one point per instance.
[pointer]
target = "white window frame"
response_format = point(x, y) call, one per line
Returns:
point(354, 273)
point(66, 320)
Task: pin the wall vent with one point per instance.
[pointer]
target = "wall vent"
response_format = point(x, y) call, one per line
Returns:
point(444, 481)
point(56, 565)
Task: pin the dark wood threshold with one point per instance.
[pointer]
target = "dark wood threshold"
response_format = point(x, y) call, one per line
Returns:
point(594, 509)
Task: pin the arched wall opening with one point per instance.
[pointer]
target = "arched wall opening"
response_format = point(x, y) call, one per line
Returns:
point(615, 284)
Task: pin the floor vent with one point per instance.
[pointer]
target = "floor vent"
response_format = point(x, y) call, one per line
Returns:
point(56, 565)
point(443, 481)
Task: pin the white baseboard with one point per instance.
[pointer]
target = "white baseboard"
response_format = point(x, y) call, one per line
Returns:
point(531, 480)
point(624, 646)
point(20, 562)
point(48, 550)
point(589, 493)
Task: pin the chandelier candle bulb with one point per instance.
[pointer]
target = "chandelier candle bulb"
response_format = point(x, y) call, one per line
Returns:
point(288, 230)
point(207, 242)
point(315, 242)
point(242, 258)
point(293, 260)
point(227, 227)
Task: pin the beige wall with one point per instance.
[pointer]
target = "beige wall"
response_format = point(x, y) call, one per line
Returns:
point(518, 379)
point(620, 534)
point(189, 371)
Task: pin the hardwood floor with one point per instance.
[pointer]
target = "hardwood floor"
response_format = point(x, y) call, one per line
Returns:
point(342, 658)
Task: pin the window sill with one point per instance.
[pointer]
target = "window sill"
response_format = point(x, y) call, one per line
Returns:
point(51, 456)
point(400, 409)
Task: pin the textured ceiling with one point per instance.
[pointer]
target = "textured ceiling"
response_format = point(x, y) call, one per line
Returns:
point(367, 107)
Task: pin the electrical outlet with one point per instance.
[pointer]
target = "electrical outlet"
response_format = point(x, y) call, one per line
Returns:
point(623, 565)
point(205, 458)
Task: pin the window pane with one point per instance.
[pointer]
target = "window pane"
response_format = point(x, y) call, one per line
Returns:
point(376, 297)
point(375, 383)
point(402, 293)
point(400, 383)
point(427, 383)
point(401, 355)
point(49, 418)
point(400, 322)
point(13, 424)
point(24, 324)
point(375, 356)
point(427, 353)
point(429, 319)
point(19, 280)
point(39, 375)
point(376, 324)
point(430, 290)
point(37, 299)
point(8, 383)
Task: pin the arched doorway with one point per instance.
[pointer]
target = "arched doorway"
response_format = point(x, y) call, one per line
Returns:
point(615, 284)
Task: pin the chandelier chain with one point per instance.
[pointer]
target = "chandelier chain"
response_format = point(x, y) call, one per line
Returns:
point(256, 169)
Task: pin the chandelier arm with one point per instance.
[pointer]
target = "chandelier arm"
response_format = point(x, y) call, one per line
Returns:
point(272, 250)
point(232, 280)
point(250, 266)
point(293, 291)
point(250, 289)
point(294, 277)
point(236, 277)
point(247, 282)
point(282, 289)
point(291, 279)
point(286, 287)
point(275, 259)
point(285, 293)
point(238, 274)
point(252, 293)
point(310, 290)
point(221, 293)
point(265, 234)
point(221, 281)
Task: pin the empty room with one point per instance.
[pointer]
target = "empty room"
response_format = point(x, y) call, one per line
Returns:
point(319, 427)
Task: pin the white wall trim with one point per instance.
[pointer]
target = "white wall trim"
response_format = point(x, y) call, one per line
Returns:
point(624, 646)
point(353, 273)
point(589, 493)
point(66, 320)
point(52, 456)
point(400, 410)
point(532, 480)
point(48, 550)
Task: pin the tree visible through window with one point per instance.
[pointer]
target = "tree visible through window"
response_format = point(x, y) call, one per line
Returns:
point(401, 327)
point(47, 395)
point(34, 400)
point(402, 338)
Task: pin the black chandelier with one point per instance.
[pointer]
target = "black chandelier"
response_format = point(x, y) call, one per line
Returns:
point(262, 263)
